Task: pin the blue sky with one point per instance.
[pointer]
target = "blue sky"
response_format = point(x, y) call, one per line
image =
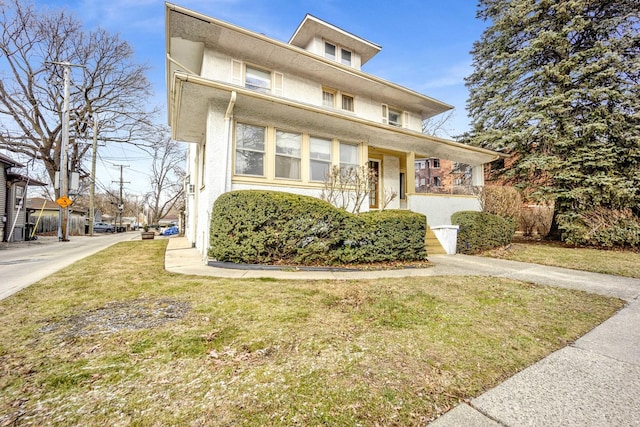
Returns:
point(425, 43)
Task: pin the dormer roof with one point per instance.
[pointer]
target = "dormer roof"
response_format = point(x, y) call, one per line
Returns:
point(311, 27)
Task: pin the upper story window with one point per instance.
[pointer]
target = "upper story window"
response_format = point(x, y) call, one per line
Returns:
point(347, 102)
point(250, 149)
point(329, 51)
point(335, 99)
point(257, 79)
point(345, 57)
point(393, 116)
point(329, 98)
point(436, 163)
point(338, 54)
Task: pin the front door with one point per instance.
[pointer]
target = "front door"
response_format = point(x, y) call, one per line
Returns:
point(374, 197)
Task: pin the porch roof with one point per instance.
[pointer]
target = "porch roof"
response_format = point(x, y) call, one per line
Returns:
point(191, 97)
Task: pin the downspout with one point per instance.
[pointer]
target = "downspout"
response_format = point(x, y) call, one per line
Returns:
point(228, 138)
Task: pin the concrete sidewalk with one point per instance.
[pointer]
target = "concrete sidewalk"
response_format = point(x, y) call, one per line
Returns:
point(592, 382)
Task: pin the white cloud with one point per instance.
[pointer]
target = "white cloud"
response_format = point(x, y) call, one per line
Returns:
point(450, 76)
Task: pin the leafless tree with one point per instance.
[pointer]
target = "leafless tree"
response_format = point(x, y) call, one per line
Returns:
point(348, 188)
point(436, 125)
point(107, 82)
point(167, 176)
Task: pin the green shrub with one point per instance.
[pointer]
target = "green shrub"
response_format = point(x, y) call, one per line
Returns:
point(259, 227)
point(609, 228)
point(481, 231)
point(390, 235)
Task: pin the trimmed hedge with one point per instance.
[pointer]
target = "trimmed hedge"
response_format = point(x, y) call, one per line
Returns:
point(266, 227)
point(480, 231)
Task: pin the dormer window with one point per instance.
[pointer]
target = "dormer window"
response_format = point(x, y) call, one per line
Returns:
point(329, 51)
point(338, 54)
point(345, 57)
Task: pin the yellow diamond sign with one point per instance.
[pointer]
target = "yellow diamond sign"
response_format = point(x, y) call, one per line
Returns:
point(64, 201)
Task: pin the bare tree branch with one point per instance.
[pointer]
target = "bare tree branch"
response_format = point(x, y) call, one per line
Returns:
point(108, 83)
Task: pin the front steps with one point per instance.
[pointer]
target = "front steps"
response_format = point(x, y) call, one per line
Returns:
point(433, 244)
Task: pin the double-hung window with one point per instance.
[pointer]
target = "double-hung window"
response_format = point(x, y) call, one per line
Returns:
point(329, 98)
point(395, 117)
point(257, 79)
point(320, 158)
point(288, 149)
point(333, 98)
point(250, 149)
point(330, 51)
point(347, 102)
point(349, 157)
point(345, 57)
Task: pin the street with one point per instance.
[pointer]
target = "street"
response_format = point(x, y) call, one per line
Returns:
point(24, 263)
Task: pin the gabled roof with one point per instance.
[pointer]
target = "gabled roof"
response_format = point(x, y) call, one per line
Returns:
point(10, 162)
point(311, 27)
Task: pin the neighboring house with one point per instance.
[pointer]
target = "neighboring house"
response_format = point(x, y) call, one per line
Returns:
point(44, 215)
point(442, 176)
point(13, 192)
point(258, 113)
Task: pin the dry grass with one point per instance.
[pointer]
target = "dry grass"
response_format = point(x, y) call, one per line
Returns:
point(116, 340)
point(616, 262)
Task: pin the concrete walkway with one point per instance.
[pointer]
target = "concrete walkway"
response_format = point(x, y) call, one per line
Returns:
point(592, 382)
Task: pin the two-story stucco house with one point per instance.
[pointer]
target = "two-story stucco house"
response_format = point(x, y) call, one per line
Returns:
point(259, 113)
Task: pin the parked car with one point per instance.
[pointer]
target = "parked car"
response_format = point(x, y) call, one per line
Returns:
point(170, 231)
point(103, 227)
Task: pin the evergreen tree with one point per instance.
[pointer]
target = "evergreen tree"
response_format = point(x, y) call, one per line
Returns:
point(556, 83)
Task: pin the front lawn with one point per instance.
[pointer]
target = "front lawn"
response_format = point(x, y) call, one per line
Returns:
point(116, 340)
point(616, 262)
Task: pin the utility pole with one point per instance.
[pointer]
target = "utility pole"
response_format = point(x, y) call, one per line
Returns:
point(63, 174)
point(63, 225)
point(121, 202)
point(92, 191)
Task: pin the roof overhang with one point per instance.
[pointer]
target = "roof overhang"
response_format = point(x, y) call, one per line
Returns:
point(16, 177)
point(311, 27)
point(192, 96)
point(9, 161)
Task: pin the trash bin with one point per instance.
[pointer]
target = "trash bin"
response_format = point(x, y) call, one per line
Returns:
point(447, 235)
point(28, 229)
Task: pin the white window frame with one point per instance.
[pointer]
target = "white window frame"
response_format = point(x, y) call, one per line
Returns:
point(403, 116)
point(317, 160)
point(338, 55)
point(338, 99)
point(239, 77)
point(237, 149)
point(343, 61)
point(289, 156)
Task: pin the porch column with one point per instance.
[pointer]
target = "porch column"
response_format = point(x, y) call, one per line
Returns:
point(411, 173)
point(477, 175)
